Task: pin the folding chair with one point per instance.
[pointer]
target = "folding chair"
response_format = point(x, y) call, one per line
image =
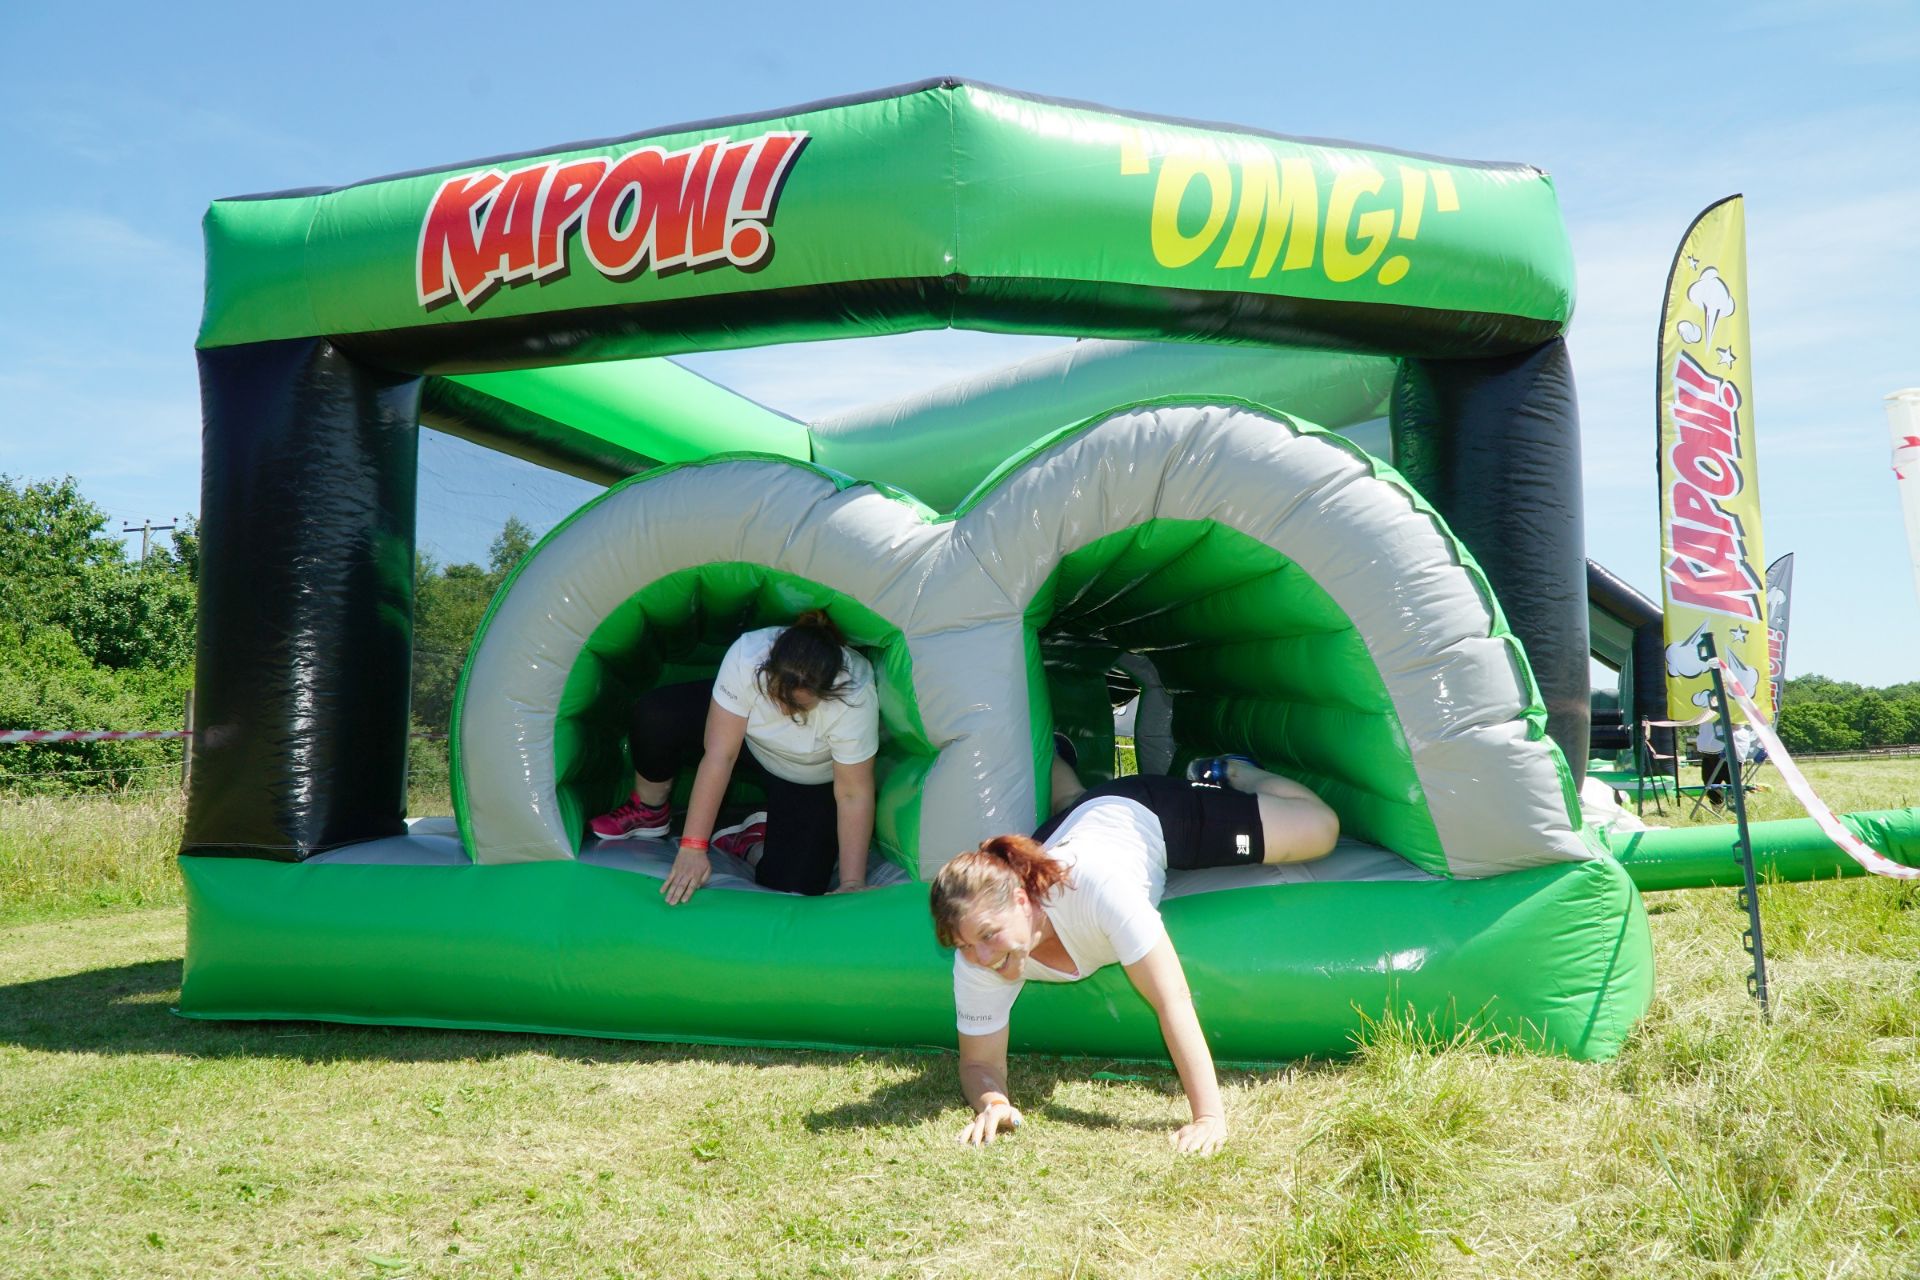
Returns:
point(1649, 758)
point(1722, 781)
point(1709, 786)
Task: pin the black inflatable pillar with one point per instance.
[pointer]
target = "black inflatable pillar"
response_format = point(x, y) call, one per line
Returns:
point(1494, 445)
point(1650, 683)
point(308, 473)
point(1648, 696)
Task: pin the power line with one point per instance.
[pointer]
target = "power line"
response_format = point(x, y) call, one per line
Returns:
point(147, 529)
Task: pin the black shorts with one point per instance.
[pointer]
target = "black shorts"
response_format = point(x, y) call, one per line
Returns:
point(1203, 826)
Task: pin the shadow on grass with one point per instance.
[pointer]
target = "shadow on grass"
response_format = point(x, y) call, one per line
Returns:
point(128, 1010)
point(930, 1091)
point(933, 1090)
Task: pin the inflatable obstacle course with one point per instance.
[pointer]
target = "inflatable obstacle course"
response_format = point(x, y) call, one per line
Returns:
point(1410, 642)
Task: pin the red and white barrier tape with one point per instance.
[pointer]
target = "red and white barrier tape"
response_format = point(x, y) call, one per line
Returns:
point(1856, 848)
point(1700, 719)
point(117, 735)
point(87, 735)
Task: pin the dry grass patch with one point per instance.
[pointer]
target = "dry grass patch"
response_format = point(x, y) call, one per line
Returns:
point(71, 855)
point(1847, 786)
point(62, 855)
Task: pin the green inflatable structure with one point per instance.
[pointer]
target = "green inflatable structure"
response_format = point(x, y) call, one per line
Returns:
point(1195, 496)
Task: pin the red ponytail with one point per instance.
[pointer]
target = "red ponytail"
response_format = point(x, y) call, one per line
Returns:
point(986, 877)
point(1038, 871)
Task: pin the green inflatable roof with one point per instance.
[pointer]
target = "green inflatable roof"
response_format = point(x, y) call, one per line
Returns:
point(944, 203)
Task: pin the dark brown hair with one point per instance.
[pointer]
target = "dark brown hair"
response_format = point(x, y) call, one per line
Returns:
point(808, 657)
point(987, 877)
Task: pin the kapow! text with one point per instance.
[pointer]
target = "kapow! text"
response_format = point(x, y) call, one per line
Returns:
point(1707, 565)
point(707, 205)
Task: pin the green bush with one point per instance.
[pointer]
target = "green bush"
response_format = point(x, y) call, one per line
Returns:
point(1882, 721)
point(448, 605)
point(89, 640)
point(447, 608)
point(1817, 726)
point(428, 770)
point(50, 541)
point(47, 682)
point(133, 616)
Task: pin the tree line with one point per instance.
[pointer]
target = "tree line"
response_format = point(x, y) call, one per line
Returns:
point(1819, 714)
point(449, 602)
point(92, 637)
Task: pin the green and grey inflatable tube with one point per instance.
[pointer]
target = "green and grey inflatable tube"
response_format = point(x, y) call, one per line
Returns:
point(939, 444)
point(1791, 849)
point(1306, 606)
point(1293, 596)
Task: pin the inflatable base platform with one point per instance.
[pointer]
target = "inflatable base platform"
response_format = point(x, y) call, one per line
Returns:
point(1284, 963)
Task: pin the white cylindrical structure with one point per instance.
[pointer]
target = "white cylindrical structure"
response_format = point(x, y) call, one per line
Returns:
point(1903, 419)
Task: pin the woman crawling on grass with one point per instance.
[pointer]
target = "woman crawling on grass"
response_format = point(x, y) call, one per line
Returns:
point(1085, 892)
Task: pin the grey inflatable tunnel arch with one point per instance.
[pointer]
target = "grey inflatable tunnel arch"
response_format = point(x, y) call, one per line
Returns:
point(1294, 596)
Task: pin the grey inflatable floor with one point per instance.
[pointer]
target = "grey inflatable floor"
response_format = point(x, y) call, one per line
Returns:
point(435, 842)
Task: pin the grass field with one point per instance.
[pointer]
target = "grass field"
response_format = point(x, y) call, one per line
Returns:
point(135, 1143)
point(1848, 786)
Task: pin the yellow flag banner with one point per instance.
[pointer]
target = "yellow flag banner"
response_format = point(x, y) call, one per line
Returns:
point(1711, 560)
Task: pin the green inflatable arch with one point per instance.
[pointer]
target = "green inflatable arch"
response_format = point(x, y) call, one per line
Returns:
point(1271, 572)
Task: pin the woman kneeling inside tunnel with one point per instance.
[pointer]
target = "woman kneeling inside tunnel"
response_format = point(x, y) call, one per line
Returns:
point(805, 708)
point(1085, 892)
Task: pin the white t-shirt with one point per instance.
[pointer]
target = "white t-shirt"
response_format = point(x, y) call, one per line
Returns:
point(1106, 913)
point(845, 729)
point(1744, 739)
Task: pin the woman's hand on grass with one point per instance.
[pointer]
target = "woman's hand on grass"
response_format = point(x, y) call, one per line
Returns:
point(996, 1115)
point(1204, 1137)
point(690, 871)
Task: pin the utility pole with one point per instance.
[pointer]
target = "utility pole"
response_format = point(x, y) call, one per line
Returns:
point(147, 529)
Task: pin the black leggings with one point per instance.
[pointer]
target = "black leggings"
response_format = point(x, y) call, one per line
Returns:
point(1203, 826)
point(668, 734)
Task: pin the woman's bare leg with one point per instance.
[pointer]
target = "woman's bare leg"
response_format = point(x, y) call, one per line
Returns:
point(1297, 830)
point(1254, 780)
point(1299, 825)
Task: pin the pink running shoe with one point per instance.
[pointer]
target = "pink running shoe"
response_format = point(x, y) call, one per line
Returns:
point(743, 840)
point(632, 821)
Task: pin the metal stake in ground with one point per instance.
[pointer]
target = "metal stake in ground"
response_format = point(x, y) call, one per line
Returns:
point(1743, 845)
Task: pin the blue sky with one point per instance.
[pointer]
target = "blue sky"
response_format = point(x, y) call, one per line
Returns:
point(119, 123)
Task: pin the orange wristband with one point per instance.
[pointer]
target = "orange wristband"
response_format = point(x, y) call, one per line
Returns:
point(692, 844)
